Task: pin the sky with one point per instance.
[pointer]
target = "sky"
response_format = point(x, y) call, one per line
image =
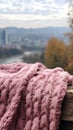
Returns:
point(33, 13)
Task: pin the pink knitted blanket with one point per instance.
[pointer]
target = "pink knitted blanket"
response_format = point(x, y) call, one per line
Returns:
point(31, 96)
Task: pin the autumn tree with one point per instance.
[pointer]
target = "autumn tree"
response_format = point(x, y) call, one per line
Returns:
point(69, 51)
point(55, 53)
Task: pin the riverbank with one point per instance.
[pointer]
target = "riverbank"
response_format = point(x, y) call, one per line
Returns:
point(15, 58)
point(27, 56)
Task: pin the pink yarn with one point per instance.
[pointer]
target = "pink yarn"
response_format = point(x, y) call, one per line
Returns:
point(31, 96)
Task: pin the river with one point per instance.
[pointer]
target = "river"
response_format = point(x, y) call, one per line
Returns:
point(28, 57)
point(16, 58)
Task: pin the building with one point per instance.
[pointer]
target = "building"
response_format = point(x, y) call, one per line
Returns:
point(3, 37)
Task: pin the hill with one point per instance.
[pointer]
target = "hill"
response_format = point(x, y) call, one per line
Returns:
point(22, 35)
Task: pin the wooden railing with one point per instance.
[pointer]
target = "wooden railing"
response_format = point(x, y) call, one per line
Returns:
point(66, 122)
point(67, 107)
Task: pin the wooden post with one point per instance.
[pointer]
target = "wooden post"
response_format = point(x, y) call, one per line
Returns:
point(66, 122)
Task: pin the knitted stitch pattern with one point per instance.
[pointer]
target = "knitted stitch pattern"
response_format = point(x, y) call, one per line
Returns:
point(31, 96)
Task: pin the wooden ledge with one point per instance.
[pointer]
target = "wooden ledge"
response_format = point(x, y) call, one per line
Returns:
point(67, 107)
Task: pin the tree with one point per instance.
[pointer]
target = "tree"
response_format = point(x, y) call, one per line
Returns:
point(69, 66)
point(70, 14)
point(55, 53)
point(70, 20)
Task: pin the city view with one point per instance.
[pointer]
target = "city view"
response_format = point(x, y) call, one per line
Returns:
point(18, 42)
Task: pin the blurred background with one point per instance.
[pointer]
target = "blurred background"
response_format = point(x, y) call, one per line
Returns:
point(37, 31)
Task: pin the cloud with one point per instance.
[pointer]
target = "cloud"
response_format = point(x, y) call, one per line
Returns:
point(34, 10)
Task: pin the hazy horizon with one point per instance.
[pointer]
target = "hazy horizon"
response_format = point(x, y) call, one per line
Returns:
point(33, 13)
point(35, 27)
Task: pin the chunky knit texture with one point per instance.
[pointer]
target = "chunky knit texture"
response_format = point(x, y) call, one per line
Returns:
point(31, 96)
